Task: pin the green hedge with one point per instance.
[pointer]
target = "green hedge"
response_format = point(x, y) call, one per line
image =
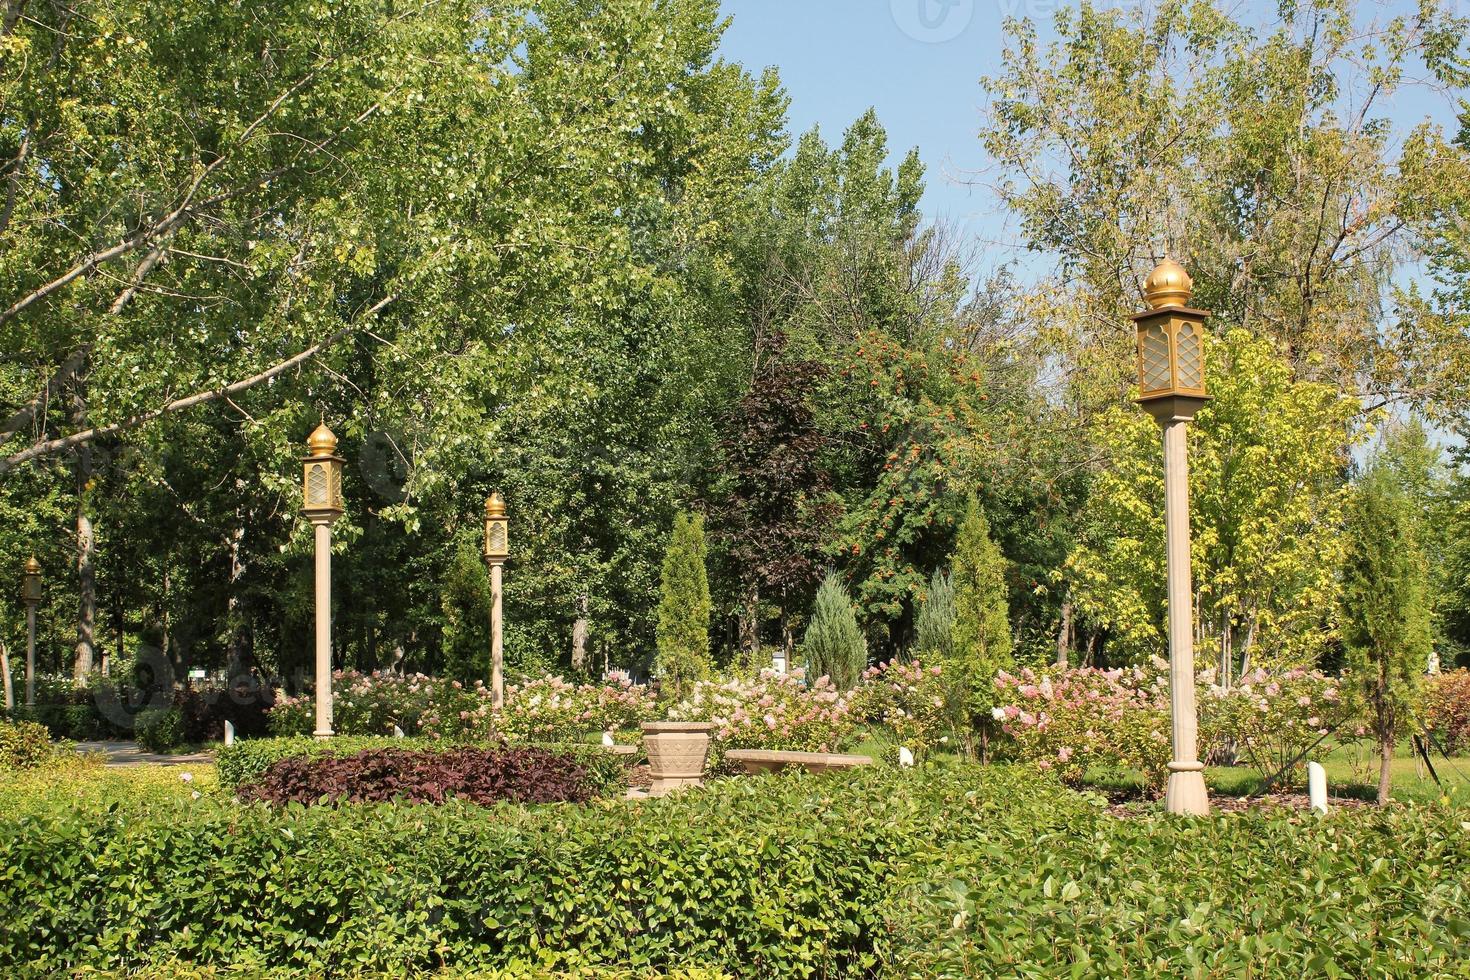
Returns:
point(245, 760)
point(905, 873)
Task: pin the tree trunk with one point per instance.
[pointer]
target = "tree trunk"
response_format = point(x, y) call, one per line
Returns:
point(5, 670)
point(241, 651)
point(1385, 764)
point(579, 636)
point(750, 628)
point(1064, 635)
point(86, 552)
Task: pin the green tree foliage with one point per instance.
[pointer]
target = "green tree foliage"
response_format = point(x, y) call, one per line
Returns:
point(1260, 157)
point(1266, 458)
point(1386, 623)
point(982, 628)
point(684, 607)
point(834, 645)
point(934, 628)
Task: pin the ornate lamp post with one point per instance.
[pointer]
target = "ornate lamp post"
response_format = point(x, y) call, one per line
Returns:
point(1171, 388)
point(322, 504)
point(497, 549)
point(30, 594)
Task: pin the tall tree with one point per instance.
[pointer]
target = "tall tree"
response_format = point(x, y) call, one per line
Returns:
point(982, 628)
point(1386, 624)
point(1267, 457)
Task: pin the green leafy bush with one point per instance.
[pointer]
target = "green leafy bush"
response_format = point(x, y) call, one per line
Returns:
point(160, 729)
point(783, 876)
point(939, 871)
point(25, 745)
point(1271, 894)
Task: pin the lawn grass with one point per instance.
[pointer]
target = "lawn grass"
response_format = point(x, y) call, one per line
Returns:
point(85, 781)
point(1352, 771)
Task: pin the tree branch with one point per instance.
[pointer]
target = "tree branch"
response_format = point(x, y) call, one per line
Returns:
point(50, 447)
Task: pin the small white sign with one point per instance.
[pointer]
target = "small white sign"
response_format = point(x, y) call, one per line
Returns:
point(198, 673)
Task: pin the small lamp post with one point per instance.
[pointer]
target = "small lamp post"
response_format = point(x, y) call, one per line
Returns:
point(1171, 388)
point(30, 594)
point(321, 487)
point(497, 549)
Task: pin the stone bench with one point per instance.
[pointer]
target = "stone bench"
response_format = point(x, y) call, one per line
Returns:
point(773, 760)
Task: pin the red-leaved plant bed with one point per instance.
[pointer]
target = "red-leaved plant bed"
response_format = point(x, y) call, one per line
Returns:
point(517, 775)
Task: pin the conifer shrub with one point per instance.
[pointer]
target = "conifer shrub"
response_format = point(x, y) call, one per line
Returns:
point(834, 645)
point(684, 607)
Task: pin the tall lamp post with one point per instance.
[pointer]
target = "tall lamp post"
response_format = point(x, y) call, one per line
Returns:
point(30, 594)
point(1171, 388)
point(497, 549)
point(321, 486)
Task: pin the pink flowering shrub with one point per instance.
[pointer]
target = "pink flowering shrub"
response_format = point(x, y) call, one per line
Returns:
point(773, 711)
point(371, 704)
point(1276, 722)
point(915, 701)
point(545, 710)
point(553, 710)
point(1068, 721)
point(1447, 709)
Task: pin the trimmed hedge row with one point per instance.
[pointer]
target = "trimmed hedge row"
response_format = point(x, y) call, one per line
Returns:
point(784, 876)
point(930, 872)
point(246, 761)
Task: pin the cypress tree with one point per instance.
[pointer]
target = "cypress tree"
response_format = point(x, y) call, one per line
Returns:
point(982, 629)
point(935, 625)
point(684, 608)
point(1385, 621)
point(834, 645)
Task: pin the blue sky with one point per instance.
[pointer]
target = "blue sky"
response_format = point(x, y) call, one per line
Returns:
point(838, 57)
point(922, 73)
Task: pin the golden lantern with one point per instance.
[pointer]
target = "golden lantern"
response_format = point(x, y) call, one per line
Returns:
point(1171, 345)
point(497, 531)
point(30, 587)
point(321, 480)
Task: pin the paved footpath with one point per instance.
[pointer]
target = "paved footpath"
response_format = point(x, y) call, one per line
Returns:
point(131, 754)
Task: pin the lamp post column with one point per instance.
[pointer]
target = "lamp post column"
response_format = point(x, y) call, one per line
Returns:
point(1186, 792)
point(496, 551)
point(321, 488)
point(497, 639)
point(30, 594)
point(322, 531)
point(1171, 388)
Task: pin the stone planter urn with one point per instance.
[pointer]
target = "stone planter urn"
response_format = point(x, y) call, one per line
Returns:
point(677, 752)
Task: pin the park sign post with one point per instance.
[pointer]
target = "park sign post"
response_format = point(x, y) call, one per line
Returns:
point(497, 550)
point(1171, 388)
point(321, 486)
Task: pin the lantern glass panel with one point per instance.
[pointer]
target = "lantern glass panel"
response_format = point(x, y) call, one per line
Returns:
point(1191, 356)
point(336, 486)
point(1153, 365)
point(317, 485)
point(497, 537)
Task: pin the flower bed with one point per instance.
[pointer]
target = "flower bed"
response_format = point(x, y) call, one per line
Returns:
point(773, 711)
point(1072, 720)
point(1277, 722)
point(372, 704)
point(912, 699)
